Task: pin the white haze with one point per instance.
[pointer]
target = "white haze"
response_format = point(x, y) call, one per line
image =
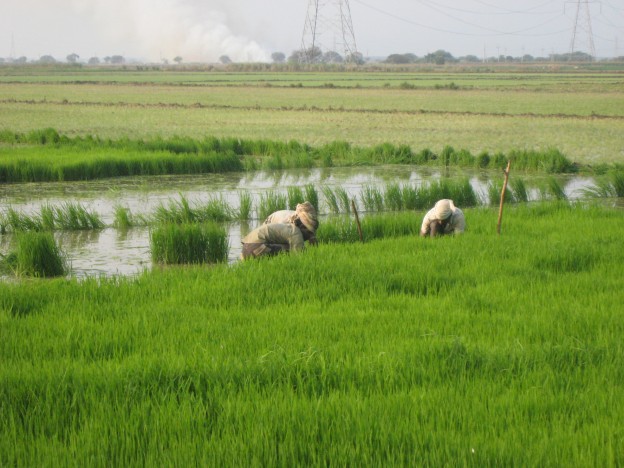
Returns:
point(150, 30)
point(154, 29)
point(250, 30)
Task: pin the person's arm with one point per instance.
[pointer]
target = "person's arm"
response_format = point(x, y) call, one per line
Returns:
point(459, 222)
point(426, 226)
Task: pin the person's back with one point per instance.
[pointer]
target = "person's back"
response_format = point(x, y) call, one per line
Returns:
point(281, 217)
point(443, 218)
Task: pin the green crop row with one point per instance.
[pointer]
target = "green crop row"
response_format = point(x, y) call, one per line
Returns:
point(59, 157)
point(371, 199)
point(477, 350)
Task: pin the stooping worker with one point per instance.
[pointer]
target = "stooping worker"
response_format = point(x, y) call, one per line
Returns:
point(273, 238)
point(443, 218)
point(303, 211)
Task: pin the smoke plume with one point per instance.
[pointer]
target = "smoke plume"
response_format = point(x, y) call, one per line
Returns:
point(197, 31)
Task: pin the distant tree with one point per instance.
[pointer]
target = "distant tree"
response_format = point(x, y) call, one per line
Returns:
point(355, 57)
point(278, 57)
point(332, 57)
point(72, 58)
point(398, 58)
point(224, 59)
point(107, 59)
point(440, 57)
point(471, 59)
point(527, 58)
point(310, 55)
point(2, 60)
point(178, 60)
point(297, 56)
point(94, 61)
point(21, 59)
point(117, 59)
point(47, 59)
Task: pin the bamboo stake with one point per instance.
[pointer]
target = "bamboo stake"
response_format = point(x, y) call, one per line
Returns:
point(357, 219)
point(502, 198)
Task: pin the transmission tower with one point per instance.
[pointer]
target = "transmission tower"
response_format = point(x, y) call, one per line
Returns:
point(582, 22)
point(327, 27)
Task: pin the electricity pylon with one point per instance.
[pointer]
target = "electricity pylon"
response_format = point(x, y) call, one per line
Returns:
point(328, 27)
point(582, 21)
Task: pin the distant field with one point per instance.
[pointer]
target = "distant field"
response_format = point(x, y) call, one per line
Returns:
point(581, 114)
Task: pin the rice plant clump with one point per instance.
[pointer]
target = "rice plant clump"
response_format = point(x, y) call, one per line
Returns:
point(189, 243)
point(38, 255)
point(245, 206)
point(270, 202)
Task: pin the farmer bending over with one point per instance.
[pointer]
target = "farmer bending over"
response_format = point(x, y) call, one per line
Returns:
point(443, 218)
point(273, 238)
point(303, 211)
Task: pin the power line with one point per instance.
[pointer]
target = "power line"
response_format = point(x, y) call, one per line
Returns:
point(492, 32)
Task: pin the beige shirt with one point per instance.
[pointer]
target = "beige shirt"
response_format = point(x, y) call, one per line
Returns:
point(285, 234)
point(282, 216)
point(456, 225)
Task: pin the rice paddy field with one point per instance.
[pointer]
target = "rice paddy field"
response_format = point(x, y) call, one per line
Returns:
point(483, 349)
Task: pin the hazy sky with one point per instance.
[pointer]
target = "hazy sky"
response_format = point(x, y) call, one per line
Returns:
point(250, 30)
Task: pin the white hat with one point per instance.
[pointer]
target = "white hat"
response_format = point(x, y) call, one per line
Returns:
point(444, 208)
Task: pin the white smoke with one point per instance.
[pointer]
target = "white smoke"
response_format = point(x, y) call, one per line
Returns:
point(155, 30)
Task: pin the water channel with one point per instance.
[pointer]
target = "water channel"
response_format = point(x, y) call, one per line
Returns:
point(111, 251)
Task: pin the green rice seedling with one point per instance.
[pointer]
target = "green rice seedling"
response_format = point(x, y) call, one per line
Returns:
point(519, 190)
point(270, 202)
point(122, 218)
point(245, 206)
point(368, 341)
point(410, 199)
point(295, 196)
point(48, 217)
point(38, 255)
point(337, 230)
point(372, 198)
point(393, 197)
point(617, 181)
point(16, 221)
point(215, 209)
point(177, 212)
point(311, 195)
point(74, 216)
point(610, 187)
point(494, 193)
point(376, 226)
point(553, 189)
point(344, 201)
point(483, 159)
point(188, 243)
point(330, 199)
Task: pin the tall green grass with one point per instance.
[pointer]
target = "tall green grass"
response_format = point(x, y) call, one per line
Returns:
point(189, 243)
point(607, 187)
point(478, 350)
point(37, 255)
point(70, 216)
point(270, 202)
point(46, 154)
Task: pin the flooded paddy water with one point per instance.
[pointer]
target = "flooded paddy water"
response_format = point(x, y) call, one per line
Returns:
point(110, 251)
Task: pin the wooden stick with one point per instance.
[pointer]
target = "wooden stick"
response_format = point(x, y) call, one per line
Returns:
point(502, 198)
point(357, 219)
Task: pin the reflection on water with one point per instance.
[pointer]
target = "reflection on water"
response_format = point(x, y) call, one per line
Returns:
point(126, 252)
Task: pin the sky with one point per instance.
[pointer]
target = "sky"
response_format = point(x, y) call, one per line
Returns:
point(251, 30)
